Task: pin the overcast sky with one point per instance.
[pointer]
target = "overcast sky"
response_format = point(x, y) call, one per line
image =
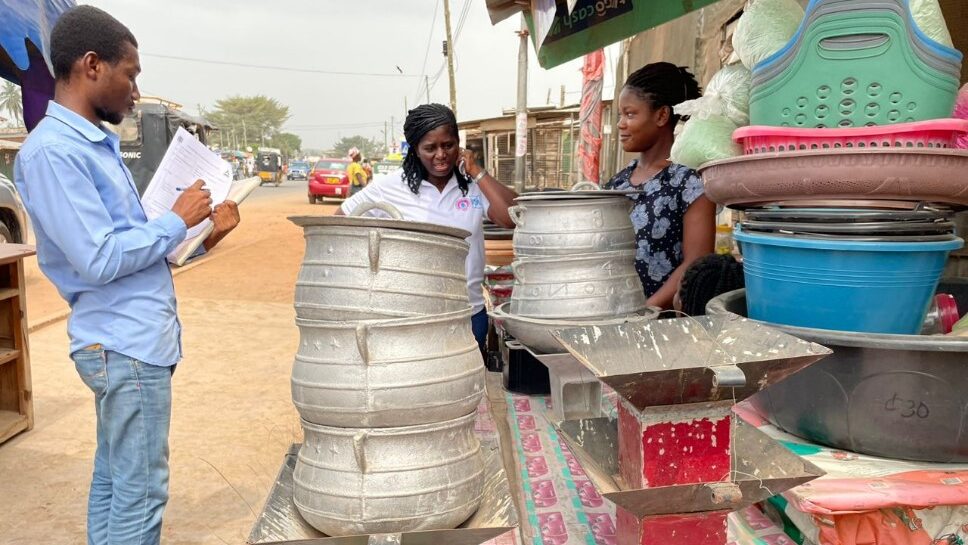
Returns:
point(372, 36)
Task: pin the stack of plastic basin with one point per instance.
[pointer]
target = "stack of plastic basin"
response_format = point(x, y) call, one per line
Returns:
point(855, 64)
point(844, 269)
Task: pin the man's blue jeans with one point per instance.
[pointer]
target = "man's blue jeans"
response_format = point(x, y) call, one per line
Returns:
point(130, 485)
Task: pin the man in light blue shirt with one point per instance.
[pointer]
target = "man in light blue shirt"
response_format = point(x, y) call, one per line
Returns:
point(108, 261)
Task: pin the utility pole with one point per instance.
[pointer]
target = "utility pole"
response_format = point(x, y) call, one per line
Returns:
point(427, 85)
point(393, 134)
point(450, 58)
point(521, 121)
point(386, 141)
point(406, 107)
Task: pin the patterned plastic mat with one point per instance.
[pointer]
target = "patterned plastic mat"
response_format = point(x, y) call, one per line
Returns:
point(560, 505)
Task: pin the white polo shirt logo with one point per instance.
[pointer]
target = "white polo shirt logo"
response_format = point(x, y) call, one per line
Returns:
point(463, 204)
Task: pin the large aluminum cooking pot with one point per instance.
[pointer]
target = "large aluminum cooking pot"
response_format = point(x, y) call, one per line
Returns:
point(383, 373)
point(896, 396)
point(536, 334)
point(362, 267)
point(567, 227)
point(388, 480)
point(601, 285)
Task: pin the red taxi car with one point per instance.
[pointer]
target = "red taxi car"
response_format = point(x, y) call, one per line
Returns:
point(327, 179)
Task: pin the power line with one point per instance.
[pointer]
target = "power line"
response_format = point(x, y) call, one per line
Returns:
point(281, 68)
point(460, 26)
point(430, 37)
point(334, 127)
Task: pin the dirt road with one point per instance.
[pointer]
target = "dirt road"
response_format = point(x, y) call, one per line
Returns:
point(232, 417)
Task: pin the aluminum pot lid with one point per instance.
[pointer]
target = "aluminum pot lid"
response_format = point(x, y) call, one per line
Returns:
point(357, 219)
point(574, 195)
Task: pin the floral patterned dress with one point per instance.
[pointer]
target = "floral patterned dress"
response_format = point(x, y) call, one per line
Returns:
point(658, 216)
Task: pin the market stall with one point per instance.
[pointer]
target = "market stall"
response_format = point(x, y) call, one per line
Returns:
point(821, 405)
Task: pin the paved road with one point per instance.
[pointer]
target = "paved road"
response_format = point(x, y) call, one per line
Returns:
point(290, 189)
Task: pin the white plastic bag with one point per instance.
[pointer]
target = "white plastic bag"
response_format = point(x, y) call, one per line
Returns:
point(704, 140)
point(927, 14)
point(726, 95)
point(765, 27)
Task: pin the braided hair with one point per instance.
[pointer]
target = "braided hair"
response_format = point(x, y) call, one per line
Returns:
point(420, 121)
point(706, 278)
point(664, 84)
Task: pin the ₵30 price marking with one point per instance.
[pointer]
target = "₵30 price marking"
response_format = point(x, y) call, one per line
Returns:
point(907, 408)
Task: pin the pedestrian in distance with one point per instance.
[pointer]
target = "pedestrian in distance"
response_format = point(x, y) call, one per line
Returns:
point(96, 245)
point(355, 172)
point(441, 183)
point(675, 223)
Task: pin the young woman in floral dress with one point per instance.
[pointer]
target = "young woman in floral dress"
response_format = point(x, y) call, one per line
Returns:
point(675, 223)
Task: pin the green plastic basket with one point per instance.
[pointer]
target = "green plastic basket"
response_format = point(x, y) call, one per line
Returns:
point(853, 71)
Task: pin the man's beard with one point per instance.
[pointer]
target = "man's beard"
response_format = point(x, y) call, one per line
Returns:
point(113, 118)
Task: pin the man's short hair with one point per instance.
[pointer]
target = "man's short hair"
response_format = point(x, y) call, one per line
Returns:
point(83, 29)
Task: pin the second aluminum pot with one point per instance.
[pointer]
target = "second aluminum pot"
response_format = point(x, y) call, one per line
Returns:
point(598, 285)
point(567, 227)
point(382, 373)
point(389, 480)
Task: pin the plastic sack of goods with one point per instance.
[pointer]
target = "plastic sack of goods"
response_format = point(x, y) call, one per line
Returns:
point(927, 14)
point(765, 28)
point(723, 107)
point(704, 140)
point(727, 94)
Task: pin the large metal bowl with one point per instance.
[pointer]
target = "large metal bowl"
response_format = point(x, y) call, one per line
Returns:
point(353, 481)
point(896, 396)
point(536, 333)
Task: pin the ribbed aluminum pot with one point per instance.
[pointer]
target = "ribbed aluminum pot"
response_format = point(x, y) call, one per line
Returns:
point(568, 227)
point(389, 480)
point(384, 373)
point(598, 285)
point(363, 267)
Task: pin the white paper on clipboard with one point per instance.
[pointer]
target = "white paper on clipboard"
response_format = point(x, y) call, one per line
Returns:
point(186, 160)
point(239, 191)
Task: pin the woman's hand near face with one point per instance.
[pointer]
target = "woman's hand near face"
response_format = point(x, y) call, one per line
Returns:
point(468, 158)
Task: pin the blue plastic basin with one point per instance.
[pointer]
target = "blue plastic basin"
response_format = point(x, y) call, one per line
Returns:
point(871, 287)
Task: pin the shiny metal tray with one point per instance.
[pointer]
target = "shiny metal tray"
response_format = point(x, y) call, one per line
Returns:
point(689, 360)
point(280, 522)
point(759, 468)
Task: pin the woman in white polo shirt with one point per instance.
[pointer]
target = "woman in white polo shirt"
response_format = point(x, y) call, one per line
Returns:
point(442, 183)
